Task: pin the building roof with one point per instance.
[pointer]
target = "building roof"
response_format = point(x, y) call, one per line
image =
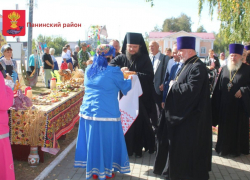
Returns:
point(166, 34)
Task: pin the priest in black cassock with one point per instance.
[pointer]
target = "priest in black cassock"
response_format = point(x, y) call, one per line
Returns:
point(135, 57)
point(186, 133)
point(231, 105)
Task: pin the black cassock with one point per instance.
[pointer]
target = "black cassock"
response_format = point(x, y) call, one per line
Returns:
point(185, 147)
point(140, 133)
point(231, 113)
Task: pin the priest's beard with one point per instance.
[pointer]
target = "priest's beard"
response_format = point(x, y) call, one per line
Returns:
point(233, 67)
point(132, 57)
point(183, 59)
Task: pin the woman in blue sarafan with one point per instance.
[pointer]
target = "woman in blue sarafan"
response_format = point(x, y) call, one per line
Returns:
point(101, 146)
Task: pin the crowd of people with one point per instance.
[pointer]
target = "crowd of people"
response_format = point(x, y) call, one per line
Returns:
point(178, 107)
point(183, 97)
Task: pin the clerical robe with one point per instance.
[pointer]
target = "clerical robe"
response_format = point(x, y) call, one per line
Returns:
point(189, 124)
point(140, 133)
point(231, 114)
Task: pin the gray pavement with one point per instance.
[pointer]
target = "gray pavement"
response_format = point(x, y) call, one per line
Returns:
point(142, 168)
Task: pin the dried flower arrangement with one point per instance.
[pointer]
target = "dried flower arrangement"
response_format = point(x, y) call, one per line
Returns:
point(78, 74)
point(35, 121)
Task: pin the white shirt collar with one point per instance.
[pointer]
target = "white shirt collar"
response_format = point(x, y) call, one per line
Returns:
point(157, 56)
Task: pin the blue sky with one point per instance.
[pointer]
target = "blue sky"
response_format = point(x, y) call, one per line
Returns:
point(119, 16)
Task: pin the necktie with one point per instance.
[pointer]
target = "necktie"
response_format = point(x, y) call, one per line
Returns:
point(173, 72)
point(153, 61)
point(178, 69)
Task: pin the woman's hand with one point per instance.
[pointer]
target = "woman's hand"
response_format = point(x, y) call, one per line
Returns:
point(124, 69)
point(8, 77)
point(130, 77)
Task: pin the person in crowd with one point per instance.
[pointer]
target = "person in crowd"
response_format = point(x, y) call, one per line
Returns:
point(65, 56)
point(211, 61)
point(172, 74)
point(135, 57)
point(35, 61)
point(231, 108)
point(48, 66)
point(75, 57)
point(223, 60)
point(69, 57)
point(64, 65)
point(244, 56)
point(6, 159)
point(116, 45)
point(159, 62)
point(83, 56)
point(187, 126)
point(52, 52)
point(162, 148)
point(171, 62)
point(248, 59)
point(8, 66)
point(101, 145)
point(68, 51)
point(247, 47)
point(168, 52)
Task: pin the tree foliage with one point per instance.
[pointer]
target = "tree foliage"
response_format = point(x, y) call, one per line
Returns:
point(181, 23)
point(234, 16)
point(157, 29)
point(201, 29)
point(56, 42)
point(79, 44)
point(220, 44)
point(151, 2)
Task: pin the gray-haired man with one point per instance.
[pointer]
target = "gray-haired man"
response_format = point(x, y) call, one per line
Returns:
point(75, 57)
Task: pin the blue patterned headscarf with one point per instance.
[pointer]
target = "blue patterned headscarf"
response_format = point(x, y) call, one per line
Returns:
point(100, 62)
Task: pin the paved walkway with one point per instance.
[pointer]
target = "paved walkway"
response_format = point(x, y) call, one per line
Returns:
point(142, 168)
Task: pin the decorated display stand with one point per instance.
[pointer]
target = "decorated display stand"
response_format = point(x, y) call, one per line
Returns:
point(97, 35)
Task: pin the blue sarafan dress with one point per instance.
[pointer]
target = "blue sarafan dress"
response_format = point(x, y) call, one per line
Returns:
point(101, 146)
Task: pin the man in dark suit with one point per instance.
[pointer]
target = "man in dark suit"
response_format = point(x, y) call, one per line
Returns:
point(212, 62)
point(159, 62)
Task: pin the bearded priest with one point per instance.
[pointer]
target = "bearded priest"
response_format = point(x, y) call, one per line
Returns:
point(231, 105)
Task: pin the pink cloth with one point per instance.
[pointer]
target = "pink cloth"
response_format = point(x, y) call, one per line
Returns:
point(6, 97)
point(6, 159)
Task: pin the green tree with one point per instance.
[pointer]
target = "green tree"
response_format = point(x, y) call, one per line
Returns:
point(157, 29)
point(181, 23)
point(44, 39)
point(220, 44)
point(56, 42)
point(33, 44)
point(151, 2)
point(79, 43)
point(201, 29)
point(234, 16)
